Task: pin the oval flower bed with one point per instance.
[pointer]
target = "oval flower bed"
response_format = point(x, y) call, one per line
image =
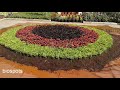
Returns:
point(22, 40)
point(10, 40)
point(57, 35)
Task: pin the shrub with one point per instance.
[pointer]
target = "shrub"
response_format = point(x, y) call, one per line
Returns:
point(31, 15)
point(69, 18)
point(95, 16)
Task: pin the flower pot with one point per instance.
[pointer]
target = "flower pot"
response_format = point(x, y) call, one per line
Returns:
point(73, 20)
point(62, 20)
point(65, 20)
point(2, 16)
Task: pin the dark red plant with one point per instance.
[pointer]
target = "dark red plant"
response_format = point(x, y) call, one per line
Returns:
point(86, 36)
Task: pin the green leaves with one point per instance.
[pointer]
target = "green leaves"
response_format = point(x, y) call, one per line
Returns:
point(32, 15)
point(103, 43)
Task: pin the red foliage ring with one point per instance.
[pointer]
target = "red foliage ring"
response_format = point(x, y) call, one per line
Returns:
point(26, 35)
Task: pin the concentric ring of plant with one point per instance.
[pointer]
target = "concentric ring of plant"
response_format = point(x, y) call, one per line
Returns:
point(9, 40)
point(51, 35)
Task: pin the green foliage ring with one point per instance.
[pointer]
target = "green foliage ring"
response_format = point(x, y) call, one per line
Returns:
point(104, 42)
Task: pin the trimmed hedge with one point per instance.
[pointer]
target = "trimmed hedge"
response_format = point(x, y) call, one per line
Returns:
point(95, 17)
point(31, 15)
point(9, 40)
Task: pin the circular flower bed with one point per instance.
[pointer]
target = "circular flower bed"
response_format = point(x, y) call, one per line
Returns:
point(102, 41)
point(57, 35)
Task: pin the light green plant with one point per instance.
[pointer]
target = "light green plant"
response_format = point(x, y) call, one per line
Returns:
point(31, 15)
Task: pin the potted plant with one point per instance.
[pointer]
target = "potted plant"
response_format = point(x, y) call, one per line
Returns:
point(62, 19)
point(57, 18)
point(1, 16)
point(74, 18)
point(70, 18)
point(77, 18)
point(53, 16)
point(65, 19)
point(80, 19)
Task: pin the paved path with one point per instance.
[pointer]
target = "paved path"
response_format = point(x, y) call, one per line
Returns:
point(111, 70)
point(12, 21)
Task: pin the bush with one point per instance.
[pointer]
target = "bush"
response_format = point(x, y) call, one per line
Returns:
point(4, 13)
point(95, 17)
point(114, 16)
point(31, 15)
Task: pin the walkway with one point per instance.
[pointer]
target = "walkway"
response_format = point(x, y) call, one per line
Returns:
point(111, 70)
point(6, 22)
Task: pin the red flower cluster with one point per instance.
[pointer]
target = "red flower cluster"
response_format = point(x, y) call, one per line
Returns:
point(26, 34)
